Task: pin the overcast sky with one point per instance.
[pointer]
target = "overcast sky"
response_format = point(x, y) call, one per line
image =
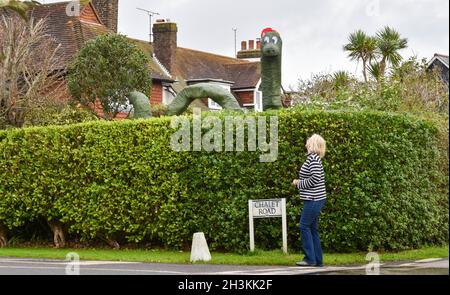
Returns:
point(313, 31)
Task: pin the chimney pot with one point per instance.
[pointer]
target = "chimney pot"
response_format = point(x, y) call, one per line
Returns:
point(244, 45)
point(251, 44)
point(250, 53)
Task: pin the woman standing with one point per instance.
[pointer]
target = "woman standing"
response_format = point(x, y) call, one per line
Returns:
point(313, 192)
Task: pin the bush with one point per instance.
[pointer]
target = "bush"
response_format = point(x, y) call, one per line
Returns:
point(411, 87)
point(122, 181)
point(61, 114)
point(159, 110)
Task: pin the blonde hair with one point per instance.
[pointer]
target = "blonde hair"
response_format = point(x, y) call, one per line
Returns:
point(316, 144)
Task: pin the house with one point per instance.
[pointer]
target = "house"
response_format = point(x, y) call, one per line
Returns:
point(440, 62)
point(241, 76)
point(171, 67)
point(71, 31)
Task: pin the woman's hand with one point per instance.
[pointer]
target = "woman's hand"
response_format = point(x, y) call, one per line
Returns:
point(296, 182)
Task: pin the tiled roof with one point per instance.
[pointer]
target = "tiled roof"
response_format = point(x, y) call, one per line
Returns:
point(72, 33)
point(245, 75)
point(193, 65)
point(91, 31)
point(61, 27)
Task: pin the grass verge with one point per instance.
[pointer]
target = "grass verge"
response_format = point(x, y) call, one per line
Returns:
point(275, 257)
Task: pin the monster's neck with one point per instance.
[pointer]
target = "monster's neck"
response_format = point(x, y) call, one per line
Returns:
point(271, 82)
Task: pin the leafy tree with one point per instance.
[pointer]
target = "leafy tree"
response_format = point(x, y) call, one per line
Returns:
point(108, 68)
point(361, 47)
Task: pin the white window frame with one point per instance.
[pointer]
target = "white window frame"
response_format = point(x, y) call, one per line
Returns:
point(257, 98)
point(168, 95)
point(213, 105)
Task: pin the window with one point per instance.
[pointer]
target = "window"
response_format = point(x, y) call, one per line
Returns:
point(213, 105)
point(168, 95)
point(258, 101)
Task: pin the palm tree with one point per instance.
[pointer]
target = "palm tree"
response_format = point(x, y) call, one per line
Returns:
point(20, 7)
point(361, 47)
point(389, 43)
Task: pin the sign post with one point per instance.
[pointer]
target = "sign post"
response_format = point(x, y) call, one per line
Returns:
point(267, 209)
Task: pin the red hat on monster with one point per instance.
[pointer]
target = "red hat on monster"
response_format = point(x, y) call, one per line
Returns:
point(267, 30)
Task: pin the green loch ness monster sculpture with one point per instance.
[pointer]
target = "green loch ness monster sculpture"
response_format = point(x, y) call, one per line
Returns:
point(141, 105)
point(271, 51)
point(203, 90)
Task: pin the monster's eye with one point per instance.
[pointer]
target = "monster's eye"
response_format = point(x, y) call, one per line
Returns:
point(275, 40)
point(266, 40)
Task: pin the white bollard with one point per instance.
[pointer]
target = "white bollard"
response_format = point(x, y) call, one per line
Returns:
point(200, 250)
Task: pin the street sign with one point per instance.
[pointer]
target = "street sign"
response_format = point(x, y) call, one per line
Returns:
point(269, 208)
point(266, 208)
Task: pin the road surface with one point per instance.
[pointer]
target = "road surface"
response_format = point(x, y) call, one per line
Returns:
point(20, 266)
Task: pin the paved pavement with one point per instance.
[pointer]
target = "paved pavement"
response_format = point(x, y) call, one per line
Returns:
point(19, 266)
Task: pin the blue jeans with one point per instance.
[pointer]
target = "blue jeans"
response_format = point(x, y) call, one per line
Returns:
point(309, 229)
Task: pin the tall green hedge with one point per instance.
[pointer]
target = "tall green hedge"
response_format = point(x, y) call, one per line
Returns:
point(122, 180)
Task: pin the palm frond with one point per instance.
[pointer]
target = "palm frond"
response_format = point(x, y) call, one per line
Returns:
point(390, 43)
point(375, 71)
point(341, 78)
point(357, 42)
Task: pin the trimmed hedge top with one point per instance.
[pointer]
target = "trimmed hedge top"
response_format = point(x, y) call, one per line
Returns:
point(122, 180)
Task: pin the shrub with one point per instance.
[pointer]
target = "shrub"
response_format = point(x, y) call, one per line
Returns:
point(411, 87)
point(159, 110)
point(122, 181)
point(61, 114)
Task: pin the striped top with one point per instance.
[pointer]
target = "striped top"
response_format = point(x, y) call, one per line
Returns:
point(312, 179)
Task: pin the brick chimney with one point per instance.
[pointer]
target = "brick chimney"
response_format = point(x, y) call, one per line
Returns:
point(108, 11)
point(165, 43)
point(250, 52)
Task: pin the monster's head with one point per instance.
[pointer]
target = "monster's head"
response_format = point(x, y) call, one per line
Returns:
point(271, 43)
